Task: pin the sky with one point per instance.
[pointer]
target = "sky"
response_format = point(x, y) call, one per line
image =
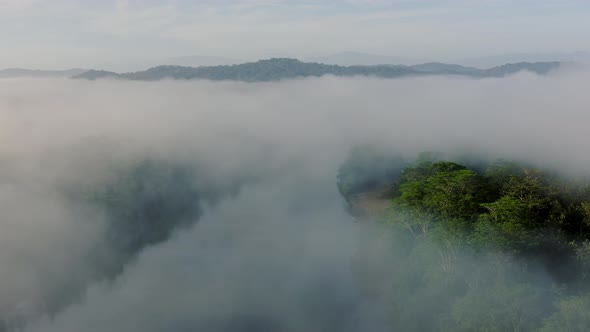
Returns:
point(56, 34)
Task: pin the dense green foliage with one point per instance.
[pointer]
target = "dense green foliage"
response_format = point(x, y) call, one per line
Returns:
point(497, 246)
point(507, 207)
point(280, 68)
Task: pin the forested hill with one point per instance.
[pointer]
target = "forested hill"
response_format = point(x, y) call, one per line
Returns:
point(473, 244)
point(282, 68)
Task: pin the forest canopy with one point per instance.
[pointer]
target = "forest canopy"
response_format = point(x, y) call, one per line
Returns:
point(475, 245)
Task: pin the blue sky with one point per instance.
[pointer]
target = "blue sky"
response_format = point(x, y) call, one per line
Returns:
point(66, 33)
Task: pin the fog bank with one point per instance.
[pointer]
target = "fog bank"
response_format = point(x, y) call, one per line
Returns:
point(273, 245)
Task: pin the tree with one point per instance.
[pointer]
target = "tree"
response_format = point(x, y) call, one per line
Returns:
point(500, 307)
point(444, 189)
point(573, 315)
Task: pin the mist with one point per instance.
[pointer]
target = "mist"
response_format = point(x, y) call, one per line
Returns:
point(269, 245)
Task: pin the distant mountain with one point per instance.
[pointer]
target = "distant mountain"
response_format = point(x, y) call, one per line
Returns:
point(446, 69)
point(364, 59)
point(98, 74)
point(129, 65)
point(19, 72)
point(497, 60)
point(281, 68)
point(541, 68)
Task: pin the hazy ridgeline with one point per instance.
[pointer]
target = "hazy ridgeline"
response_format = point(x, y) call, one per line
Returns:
point(96, 176)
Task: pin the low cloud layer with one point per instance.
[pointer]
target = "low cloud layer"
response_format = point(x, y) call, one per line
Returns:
point(273, 254)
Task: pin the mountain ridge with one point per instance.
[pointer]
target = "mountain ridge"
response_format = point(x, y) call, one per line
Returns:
point(276, 69)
